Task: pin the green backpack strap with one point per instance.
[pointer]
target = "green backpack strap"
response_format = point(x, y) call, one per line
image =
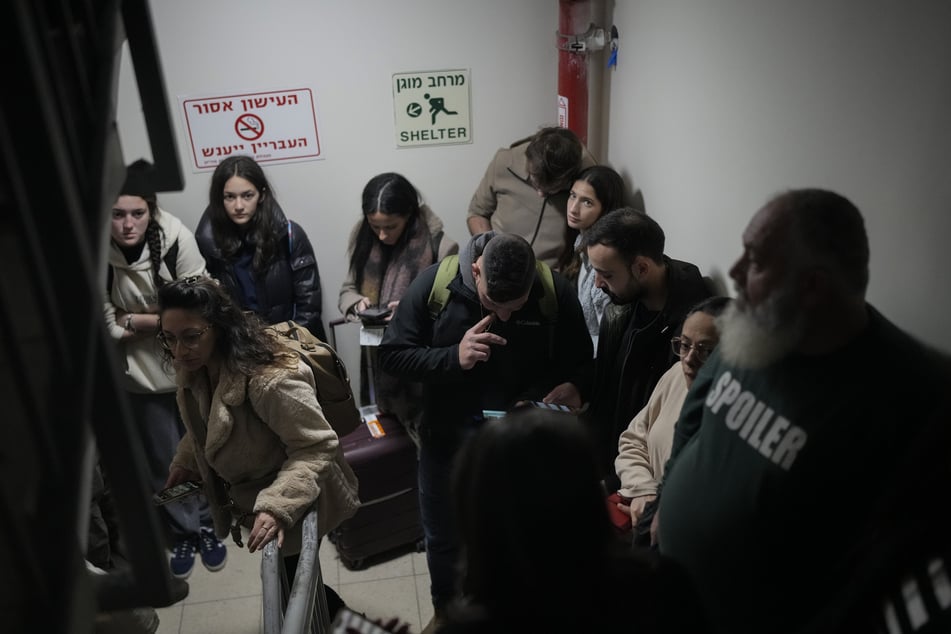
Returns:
point(548, 304)
point(439, 294)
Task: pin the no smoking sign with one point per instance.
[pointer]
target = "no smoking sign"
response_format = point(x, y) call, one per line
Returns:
point(222, 125)
point(249, 127)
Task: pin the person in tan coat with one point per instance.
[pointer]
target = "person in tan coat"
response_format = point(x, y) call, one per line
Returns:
point(255, 434)
point(525, 190)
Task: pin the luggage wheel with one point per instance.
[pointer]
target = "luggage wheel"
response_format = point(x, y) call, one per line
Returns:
point(354, 564)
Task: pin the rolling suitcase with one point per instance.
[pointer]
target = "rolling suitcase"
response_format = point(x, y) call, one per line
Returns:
point(388, 520)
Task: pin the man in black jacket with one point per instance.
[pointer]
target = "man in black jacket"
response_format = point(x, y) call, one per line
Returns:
point(490, 346)
point(650, 296)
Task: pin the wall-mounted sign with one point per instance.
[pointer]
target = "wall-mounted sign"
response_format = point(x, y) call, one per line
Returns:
point(432, 108)
point(562, 112)
point(270, 126)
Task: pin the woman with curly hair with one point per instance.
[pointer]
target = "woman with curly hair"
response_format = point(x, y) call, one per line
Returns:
point(256, 435)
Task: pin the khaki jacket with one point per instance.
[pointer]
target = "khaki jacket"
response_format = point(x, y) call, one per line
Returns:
point(512, 205)
point(267, 439)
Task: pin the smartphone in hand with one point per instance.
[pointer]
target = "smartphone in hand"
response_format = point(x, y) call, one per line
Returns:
point(552, 406)
point(177, 492)
point(374, 315)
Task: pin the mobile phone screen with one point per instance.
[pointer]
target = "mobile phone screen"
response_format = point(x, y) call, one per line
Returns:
point(554, 406)
point(375, 313)
point(176, 492)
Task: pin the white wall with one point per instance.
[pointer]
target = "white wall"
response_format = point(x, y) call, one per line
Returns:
point(348, 52)
point(718, 105)
point(714, 106)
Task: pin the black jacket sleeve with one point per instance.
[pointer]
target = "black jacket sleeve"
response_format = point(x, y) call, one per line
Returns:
point(407, 349)
point(214, 262)
point(308, 298)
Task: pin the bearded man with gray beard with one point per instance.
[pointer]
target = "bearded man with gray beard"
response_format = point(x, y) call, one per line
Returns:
point(794, 426)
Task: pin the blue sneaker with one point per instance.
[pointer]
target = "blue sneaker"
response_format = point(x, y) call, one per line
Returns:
point(213, 552)
point(183, 558)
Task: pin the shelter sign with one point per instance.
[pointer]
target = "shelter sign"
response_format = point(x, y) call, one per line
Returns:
point(432, 108)
point(270, 126)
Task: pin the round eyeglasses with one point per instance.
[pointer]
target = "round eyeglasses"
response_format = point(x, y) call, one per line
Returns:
point(189, 340)
point(682, 348)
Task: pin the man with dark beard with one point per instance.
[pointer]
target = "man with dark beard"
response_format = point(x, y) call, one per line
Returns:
point(795, 426)
point(650, 297)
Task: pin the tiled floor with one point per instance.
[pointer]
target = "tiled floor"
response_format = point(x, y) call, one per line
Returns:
point(229, 601)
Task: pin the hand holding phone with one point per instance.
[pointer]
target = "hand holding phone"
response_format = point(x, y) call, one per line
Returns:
point(374, 315)
point(552, 406)
point(177, 492)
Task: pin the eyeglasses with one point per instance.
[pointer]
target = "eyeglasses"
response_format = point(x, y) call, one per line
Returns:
point(682, 348)
point(190, 340)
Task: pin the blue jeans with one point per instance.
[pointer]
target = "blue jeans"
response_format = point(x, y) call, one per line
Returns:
point(435, 505)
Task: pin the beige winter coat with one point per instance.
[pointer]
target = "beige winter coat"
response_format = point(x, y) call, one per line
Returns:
point(267, 438)
point(512, 205)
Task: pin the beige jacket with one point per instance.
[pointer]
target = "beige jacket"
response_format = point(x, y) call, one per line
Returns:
point(512, 205)
point(266, 437)
point(644, 447)
point(349, 294)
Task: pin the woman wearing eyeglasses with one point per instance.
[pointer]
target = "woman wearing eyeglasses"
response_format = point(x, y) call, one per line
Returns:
point(149, 248)
point(644, 446)
point(255, 435)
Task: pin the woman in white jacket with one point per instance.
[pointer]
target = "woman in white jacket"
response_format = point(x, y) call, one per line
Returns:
point(149, 248)
point(644, 447)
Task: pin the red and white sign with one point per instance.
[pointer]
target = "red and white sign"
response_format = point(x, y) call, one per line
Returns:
point(270, 127)
point(562, 112)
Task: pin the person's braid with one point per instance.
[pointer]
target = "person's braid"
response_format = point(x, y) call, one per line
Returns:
point(153, 234)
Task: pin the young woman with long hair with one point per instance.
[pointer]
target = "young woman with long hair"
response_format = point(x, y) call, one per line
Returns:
point(265, 261)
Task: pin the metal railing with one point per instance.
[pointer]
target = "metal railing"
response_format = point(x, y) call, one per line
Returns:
point(299, 607)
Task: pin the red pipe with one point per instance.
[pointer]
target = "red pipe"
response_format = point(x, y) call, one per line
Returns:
point(574, 18)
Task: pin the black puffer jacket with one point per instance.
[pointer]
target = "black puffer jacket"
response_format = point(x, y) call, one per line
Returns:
point(290, 289)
